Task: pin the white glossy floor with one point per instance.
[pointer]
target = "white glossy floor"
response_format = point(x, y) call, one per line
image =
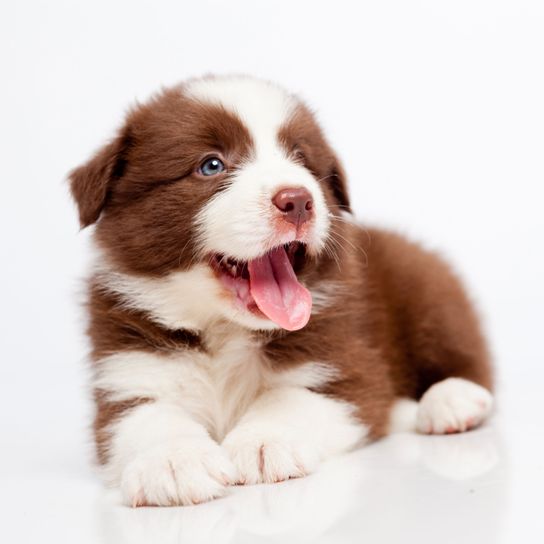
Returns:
point(483, 487)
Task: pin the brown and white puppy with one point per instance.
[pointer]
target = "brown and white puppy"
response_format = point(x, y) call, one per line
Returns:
point(244, 327)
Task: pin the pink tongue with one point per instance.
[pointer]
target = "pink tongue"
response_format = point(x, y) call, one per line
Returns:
point(277, 292)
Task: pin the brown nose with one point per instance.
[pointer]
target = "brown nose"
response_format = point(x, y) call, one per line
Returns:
point(295, 204)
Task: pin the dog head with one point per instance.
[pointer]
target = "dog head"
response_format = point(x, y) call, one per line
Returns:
point(226, 184)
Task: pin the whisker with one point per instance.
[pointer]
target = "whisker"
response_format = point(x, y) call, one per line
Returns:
point(332, 253)
point(350, 222)
point(347, 241)
point(182, 251)
point(324, 178)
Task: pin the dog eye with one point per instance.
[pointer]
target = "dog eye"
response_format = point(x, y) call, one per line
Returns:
point(211, 167)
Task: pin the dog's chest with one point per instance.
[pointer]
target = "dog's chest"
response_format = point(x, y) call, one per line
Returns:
point(219, 384)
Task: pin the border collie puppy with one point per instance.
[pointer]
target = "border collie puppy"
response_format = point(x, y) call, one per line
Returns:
point(244, 327)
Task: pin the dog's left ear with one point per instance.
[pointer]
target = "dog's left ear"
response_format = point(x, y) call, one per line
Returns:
point(90, 183)
point(339, 185)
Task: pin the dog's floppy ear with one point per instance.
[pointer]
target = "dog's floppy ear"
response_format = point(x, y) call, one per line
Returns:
point(338, 182)
point(91, 182)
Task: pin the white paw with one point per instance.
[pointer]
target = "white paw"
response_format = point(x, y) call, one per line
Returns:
point(177, 474)
point(262, 456)
point(453, 405)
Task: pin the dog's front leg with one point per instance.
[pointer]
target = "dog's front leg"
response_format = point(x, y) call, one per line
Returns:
point(287, 432)
point(158, 455)
point(149, 441)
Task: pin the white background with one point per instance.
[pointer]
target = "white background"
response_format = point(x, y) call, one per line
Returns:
point(437, 110)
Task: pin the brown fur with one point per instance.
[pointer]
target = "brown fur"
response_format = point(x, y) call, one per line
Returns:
point(401, 323)
point(113, 327)
point(108, 412)
point(303, 137)
point(388, 336)
point(135, 184)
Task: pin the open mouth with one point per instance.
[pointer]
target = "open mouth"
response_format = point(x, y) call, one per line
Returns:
point(268, 285)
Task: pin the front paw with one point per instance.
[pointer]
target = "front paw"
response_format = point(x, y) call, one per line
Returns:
point(181, 473)
point(262, 456)
point(453, 405)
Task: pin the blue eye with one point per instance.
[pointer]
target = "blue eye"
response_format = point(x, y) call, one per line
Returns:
point(211, 167)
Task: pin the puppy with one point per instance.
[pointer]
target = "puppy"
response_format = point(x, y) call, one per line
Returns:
point(244, 327)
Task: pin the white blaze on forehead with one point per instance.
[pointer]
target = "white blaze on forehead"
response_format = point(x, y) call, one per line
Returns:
point(263, 107)
point(239, 221)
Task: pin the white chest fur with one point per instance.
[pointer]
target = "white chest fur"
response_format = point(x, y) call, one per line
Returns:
point(215, 386)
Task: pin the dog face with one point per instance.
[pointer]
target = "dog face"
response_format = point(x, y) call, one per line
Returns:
point(226, 184)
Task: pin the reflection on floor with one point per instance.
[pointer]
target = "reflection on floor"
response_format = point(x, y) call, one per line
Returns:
point(404, 485)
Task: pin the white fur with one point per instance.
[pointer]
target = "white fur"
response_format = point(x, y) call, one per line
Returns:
point(160, 455)
point(166, 451)
point(325, 294)
point(287, 432)
point(191, 299)
point(261, 105)
point(181, 300)
point(249, 232)
point(403, 416)
point(453, 405)
point(214, 388)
